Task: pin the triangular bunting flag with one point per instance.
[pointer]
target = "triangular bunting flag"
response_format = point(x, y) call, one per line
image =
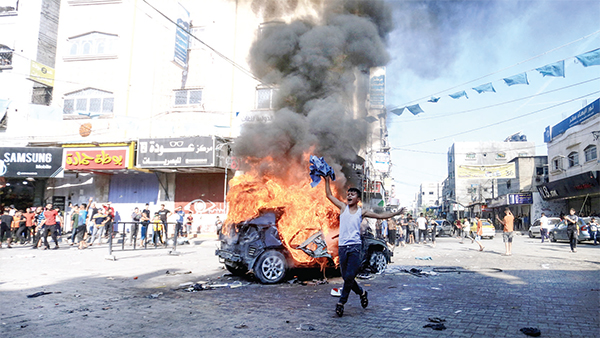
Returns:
point(590, 58)
point(415, 110)
point(553, 69)
point(516, 79)
point(458, 95)
point(433, 99)
point(485, 88)
point(398, 111)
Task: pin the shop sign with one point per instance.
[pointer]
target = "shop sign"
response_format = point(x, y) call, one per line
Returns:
point(573, 186)
point(109, 158)
point(176, 152)
point(486, 171)
point(520, 198)
point(31, 162)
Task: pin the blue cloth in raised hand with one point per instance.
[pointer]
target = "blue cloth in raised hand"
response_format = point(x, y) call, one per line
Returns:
point(318, 168)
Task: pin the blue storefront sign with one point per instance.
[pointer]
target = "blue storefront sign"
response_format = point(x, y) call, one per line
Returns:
point(520, 198)
point(182, 39)
point(573, 120)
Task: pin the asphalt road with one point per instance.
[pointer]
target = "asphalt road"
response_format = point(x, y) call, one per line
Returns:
point(478, 294)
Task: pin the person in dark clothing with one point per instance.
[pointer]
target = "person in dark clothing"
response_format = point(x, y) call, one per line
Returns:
point(5, 222)
point(572, 229)
point(164, 215)
point(136, 216)
point(145, 219)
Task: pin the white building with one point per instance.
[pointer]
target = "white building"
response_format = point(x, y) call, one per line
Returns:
point(429, 195)
point(574, 166)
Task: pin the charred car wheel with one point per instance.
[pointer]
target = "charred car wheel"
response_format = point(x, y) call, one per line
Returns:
point(270, 267)
point(378, 262)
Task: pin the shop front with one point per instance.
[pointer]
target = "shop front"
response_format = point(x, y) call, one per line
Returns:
point(520, 205)
point(24, 172)
point(580, 192)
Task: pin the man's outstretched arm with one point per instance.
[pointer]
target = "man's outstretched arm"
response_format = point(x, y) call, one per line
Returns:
point(341, 205)
point(384, 215)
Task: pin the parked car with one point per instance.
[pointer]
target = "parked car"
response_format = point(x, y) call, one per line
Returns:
point(488, 229)
point(256, 246)
point(534, 230)
point(559, 233)
point(444, 228)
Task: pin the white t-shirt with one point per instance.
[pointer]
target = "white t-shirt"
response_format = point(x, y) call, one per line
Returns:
point(544, 224)
point(422, 223)
point(466, 226)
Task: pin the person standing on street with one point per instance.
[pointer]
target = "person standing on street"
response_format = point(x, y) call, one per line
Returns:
point(479, 232)
point(136, 216)
point(422, 225)
point(180, 214)
point(49, 226)
point(29, 224)
point(164, 215)
point(74, 221)
point(145, 219)
point(80, 231)
point(5, 223)
point(507, 235)
point(392, 232)
point(110, 216)
point(433, 226)
point(350, 242)
point(544, 227)
point(572, 229)
point(593, 229)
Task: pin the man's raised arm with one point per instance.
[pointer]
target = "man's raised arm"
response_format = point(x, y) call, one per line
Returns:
point(330, 196)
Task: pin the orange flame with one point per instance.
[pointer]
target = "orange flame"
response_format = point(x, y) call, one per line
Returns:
point(306, 210)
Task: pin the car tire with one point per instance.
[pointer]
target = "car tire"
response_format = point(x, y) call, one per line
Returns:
point(236, 271)
point(531, 235)
point(552, 238)
point(378, 262)
point(270, 268)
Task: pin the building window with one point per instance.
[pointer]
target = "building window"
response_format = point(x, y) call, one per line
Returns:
point(188, 97)
point(573, 159)
point(90, 102)
point(6, 55)
point(557, 164)
point(470, 156)
point(198, 32)
point(93, 44)
point(264, 98)
point(523, 155)
point(431, 193)
point(591, 153)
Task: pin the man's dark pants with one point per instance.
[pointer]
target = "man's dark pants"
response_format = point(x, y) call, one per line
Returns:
point(49, 230)
point(572, 233)
point(349, 265)
point(544, 234)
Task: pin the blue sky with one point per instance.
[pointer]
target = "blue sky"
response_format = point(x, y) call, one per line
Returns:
point(440, 47)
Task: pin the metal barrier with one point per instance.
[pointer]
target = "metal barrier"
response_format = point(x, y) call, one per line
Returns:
point(133, 225)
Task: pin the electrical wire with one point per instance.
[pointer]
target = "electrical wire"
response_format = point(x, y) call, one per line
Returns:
point(499, 122)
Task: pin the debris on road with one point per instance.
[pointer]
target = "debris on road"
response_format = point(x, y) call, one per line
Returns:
point(174, 273)
point(155, 295)
point(438, 327)
point(37, 294)
point(531, 331)
point(241, 326)
point(436, 320)
point(305, 327)
point(426, 258)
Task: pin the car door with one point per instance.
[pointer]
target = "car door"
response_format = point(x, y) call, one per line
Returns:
point(560, 231)
point(535, 229)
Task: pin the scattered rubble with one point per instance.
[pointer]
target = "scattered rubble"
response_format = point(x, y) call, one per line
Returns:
point(41, 293)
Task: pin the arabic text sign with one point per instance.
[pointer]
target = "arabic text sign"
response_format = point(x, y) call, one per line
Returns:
point(176, 152)
point(31, 162)
point(486, 171)
point(111, 158)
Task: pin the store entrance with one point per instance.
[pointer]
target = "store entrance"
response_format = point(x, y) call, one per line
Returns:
point(19, 192)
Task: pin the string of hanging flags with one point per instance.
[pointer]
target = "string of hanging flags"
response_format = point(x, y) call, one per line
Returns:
point(556, 69)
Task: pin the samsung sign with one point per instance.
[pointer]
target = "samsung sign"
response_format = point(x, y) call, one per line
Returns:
point(31, 162)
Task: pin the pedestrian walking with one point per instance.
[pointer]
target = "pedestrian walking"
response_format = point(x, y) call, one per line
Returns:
point(81, 230)
point(392, 231)
point(49, 226)
point(412, 226)
point(188, 224)
point(5, 223)
point(100, 219)
point(466, 231)
point(508, 234)
point(544, 227)
point(164, 215)
point(350, 242)
point(136, 216)
point(74, 221)
point(457, 228)
point(593, 230)
point(479, 232)
point(422, 225)
point(572, 229)
point(433, 227)
point(21, 227)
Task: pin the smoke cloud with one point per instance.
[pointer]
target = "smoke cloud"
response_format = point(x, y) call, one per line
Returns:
point(318, 69)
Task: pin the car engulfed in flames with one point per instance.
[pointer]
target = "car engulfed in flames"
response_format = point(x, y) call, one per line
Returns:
point(256, 246)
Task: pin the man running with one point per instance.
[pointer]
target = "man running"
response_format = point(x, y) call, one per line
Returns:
point(350, 242)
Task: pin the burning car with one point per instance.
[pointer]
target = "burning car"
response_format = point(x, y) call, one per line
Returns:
point(256, 246)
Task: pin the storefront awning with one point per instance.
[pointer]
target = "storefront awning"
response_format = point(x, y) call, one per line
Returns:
point(570, 187)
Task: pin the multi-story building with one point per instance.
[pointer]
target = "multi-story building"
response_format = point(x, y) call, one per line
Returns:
point(148, 97)
point(474, 169)
point(574, 166)
point(429, 196)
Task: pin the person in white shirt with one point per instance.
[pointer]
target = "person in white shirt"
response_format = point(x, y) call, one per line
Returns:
point(544, 227)
point(422, 225)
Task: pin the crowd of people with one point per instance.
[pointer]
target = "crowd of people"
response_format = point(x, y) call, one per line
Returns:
point(90, 223)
